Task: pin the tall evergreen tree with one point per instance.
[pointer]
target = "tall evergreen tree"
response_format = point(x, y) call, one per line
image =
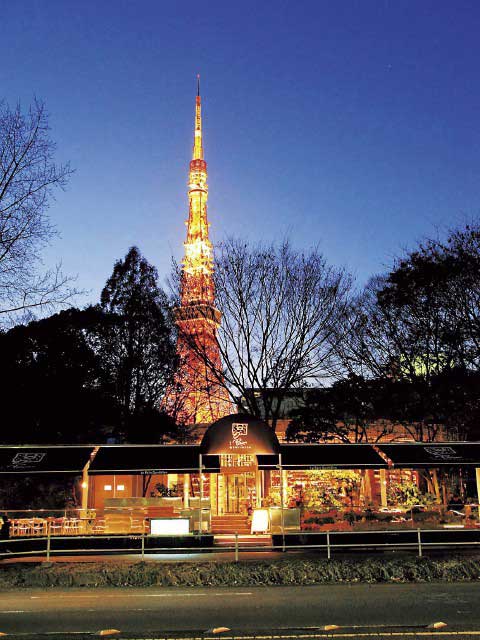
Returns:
point(85, 375)
point(51, 387)
point(137, 344)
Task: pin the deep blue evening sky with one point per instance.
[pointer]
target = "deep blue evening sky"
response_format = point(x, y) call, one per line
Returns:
point(354, 125)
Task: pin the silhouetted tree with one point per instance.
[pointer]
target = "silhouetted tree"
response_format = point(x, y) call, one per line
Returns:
point(51, 387)
point(28, 178)
point(344, 412)
point(458, 259)
point(87, 375)
point(40, 492)
point(359, 410)
point(419, 325)
point(279, 311)
point(421, 318)
point(136, 344)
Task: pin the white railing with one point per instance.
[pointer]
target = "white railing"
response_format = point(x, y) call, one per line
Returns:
point(417, 540)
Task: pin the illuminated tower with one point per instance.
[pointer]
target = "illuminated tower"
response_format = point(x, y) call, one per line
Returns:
point(200, 397)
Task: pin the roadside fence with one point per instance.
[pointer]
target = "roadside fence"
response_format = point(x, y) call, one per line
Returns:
point(328, 542)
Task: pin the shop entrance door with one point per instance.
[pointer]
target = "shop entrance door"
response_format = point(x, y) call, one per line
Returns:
point(235, 492)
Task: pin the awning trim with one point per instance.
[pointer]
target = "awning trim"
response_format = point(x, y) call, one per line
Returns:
point(321, 456)
point(418, 455)
point(48, 459)
point(151, 460)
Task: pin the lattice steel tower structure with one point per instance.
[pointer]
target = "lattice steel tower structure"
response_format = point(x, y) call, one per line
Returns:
point(198, 396)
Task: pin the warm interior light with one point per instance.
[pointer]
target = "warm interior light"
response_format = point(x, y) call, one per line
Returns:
point(169, 526)
point(120, 487)
point(84, 485)
point(260, 520)
point(107, 487)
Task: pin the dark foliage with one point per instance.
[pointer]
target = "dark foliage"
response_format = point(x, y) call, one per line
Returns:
point(93, 374)
point(413, 344)
point(37, 492)
point(51, 390)
point(345, 411)
point(137, 346)
point(421, 318)
point(360, 410)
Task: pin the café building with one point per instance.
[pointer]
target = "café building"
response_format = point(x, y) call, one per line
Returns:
point(239, 473)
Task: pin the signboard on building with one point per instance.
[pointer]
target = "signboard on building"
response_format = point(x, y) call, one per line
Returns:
point(240, 434)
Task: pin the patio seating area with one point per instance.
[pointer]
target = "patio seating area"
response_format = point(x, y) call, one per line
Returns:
point(71, 526)
point(28, 527)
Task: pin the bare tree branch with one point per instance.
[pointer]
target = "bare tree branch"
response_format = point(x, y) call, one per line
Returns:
point(280, 309)
point(28, 177)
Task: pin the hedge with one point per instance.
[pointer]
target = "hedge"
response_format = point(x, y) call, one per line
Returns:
point(288, 571)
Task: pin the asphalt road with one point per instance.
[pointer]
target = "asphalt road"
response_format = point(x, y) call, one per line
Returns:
point(159, 610)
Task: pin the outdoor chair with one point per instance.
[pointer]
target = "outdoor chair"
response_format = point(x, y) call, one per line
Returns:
point(71, 526)
point(38, 527)
point(98, 526)
point(20, 527)
point(56, 526)
point(138, 525)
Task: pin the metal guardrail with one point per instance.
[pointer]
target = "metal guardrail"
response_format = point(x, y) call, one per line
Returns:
point(47, 545)
point(417, 542)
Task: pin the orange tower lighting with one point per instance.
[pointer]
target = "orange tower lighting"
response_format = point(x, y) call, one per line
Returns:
point(198, 396)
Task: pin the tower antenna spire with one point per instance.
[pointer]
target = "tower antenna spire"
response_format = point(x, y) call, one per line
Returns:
point(197, 144)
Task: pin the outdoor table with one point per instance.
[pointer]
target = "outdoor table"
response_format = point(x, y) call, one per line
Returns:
point(86, 525)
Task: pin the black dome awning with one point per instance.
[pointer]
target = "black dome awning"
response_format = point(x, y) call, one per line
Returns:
point(240, 433)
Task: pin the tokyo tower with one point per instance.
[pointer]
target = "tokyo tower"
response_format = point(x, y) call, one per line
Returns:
point(198, 395)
